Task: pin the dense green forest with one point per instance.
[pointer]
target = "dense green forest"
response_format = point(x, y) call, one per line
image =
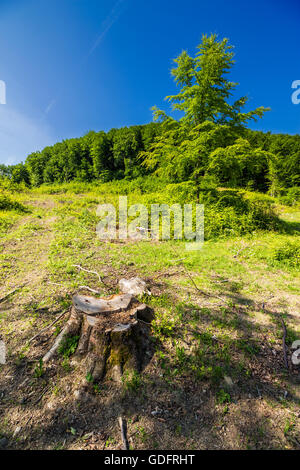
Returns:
point(210, 144)
point(258, 160)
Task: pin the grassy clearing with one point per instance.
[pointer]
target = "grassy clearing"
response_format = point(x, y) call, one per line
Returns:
point(216, 379)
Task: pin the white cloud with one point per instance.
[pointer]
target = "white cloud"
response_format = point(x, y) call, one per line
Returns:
point(20, 135)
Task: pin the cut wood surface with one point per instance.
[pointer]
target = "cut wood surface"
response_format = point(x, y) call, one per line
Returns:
point(92, 306)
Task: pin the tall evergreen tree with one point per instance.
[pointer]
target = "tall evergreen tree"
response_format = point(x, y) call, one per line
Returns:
point(184, 149)
point(205, 88)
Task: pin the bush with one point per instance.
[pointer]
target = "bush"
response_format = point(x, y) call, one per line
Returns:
point(228, 212)
point(288, 254)
point(181, 193)
point(7, 204)
point(5, 223)
point(6, 184)
point(236, 215)
point(290, 197)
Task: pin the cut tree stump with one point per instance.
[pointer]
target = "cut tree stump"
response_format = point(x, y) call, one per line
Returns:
point(113, 335)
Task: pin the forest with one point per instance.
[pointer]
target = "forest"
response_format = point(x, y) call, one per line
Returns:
point(100, 156)
point(117, 154)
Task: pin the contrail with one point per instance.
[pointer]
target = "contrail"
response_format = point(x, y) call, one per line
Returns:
point(50, 106)
point(107, 24)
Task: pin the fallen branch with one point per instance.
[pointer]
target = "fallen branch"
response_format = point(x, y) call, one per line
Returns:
point(87, 271)
point(89, 289)
point(55, 284)
point(47, 327)
point(41, 396)
point(286, 363)
point(240, 251)
point(195, 285)
point(166, 274)
point(202, 292)
point(90, 272)
point(12, 292)
point(123, 427)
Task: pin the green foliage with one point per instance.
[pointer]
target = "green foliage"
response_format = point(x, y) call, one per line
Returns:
point(68, 346)
point(288, 254)
point(8, 204)
point(96, 156)
point(232, 214)
point(89, 378)
point(210, 154)
point(10, 211)
point(240, 165)
point(20, 174)
point(211, 139)
point(14, 176)
point(248, 347)
point(204, 88)
point(132, 381)
point(290, 197)
point(39, 370)
point(289, 426)
point(223, 397)
point(97, 389)
point(164, 325)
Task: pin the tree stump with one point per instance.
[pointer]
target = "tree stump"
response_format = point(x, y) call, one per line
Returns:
point(113, 335)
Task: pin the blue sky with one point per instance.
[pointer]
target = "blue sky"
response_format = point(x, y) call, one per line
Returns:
point(71, 66)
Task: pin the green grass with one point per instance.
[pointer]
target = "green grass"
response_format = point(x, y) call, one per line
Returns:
point(68, 346)
point(217, 310)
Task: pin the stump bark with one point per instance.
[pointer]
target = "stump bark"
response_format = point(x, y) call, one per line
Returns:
point(113, 335)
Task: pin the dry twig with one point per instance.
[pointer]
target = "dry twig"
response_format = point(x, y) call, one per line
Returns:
point(90, 272)
point(41, 396)
point(123, 427)
point(12, 292)
point(89, 289)
point(47, 327)
point(194, 284)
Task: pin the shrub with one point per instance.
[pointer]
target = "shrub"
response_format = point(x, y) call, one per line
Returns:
point(7, 204)
point(288, 254)
point(291, 197)
point(244, 216)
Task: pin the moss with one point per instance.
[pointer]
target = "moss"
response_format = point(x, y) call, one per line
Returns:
point(119, 356)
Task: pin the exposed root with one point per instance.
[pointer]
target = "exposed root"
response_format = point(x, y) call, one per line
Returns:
point(71, 328)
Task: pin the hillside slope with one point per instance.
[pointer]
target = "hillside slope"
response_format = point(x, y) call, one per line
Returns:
point(217, 379)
